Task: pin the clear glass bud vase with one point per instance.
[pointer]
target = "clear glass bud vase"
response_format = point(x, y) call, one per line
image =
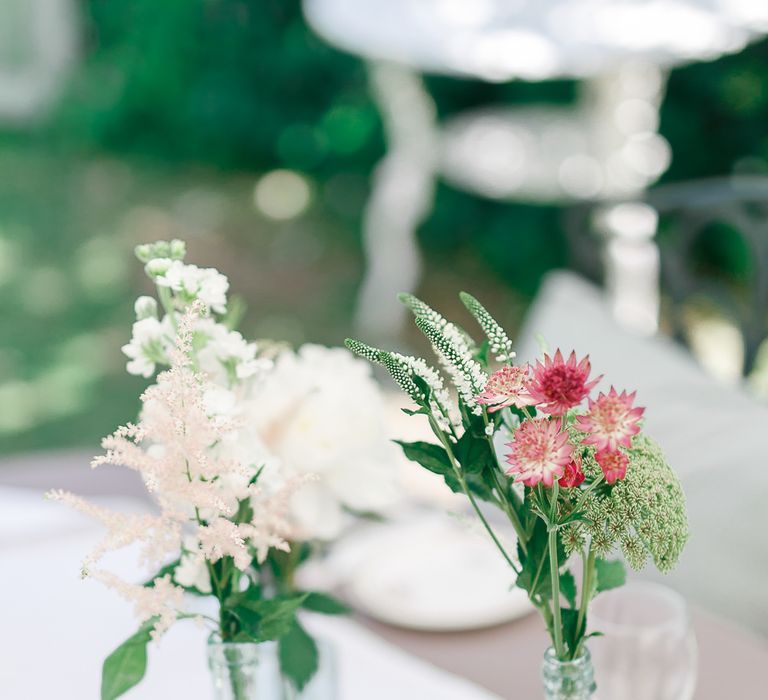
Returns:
point(244, 671)
point(568, 680)
point(234, 669)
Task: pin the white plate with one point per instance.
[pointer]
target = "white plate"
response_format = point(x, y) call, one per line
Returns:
point(433, 573)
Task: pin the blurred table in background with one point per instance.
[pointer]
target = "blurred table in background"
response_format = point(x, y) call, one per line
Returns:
point(39, 44)
point(504, 659)
point(507, 659)
point(606, 147)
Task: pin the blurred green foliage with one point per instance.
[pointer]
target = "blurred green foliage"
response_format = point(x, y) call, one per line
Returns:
point(174, 112)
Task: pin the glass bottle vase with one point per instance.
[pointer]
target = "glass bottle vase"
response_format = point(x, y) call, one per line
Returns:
point(246, 671)
point(568, 680)
point(234, 670)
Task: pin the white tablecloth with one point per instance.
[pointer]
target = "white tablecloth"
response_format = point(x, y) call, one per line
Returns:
point(57, 628)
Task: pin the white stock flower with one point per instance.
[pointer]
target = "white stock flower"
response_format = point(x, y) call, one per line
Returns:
point(150, 343)
point(225, 356)
point(319, 411)
point(192, 282)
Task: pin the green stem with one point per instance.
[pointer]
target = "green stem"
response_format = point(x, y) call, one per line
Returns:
point(546, 613)
point(506, 495)
point(447, 445)
point(540, 568)
point(554, 572)
point(511, 510)
point(487, 526)
point(166, 299)
point(514, 518)
point(586, 588)
point(237, 679)
point(586, 492)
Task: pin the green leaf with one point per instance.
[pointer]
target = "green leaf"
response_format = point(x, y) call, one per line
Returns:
point(298, 656)
point(572, 632)
point(411, 412)
point(482, 353)
point(323, 603)
point(264, 620)
point(434, 458)
point(477, 464)
point(568, 587)
point(473, 424)
point(534, 576)
point(423, 387)
point(428, 455)
point(474, 454)
point(127, 664)
point(609, 574)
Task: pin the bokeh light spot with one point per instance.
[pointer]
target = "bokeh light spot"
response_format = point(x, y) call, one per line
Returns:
point(282, 194)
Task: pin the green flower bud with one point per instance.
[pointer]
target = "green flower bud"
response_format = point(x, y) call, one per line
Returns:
point(144, 252)
point(162, 249)
point(178, 249)
point(157, 267)
point(145, 307)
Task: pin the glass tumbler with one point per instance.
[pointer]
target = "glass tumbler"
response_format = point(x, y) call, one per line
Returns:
point(648, 649)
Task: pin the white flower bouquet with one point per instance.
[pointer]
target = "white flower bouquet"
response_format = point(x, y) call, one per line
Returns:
point(250, 455)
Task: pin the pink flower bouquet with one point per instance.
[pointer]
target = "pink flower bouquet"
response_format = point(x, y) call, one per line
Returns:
point(573, 472)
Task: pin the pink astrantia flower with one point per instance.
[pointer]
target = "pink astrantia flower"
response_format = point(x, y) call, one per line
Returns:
point(507, 387)
point(540, 452)
point(557, 385)
point(573, 475)
point(611, 421)
point(613, 463)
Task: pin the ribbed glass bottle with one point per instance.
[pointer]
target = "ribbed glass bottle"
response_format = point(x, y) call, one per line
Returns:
point(568, 680)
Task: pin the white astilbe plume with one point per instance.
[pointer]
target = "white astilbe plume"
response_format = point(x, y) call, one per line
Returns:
point(160, 536)
point(173, 448)
point(163, 600)
point(275, 523)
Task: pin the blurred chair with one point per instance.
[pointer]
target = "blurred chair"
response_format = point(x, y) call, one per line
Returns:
point(710, 432)
point(604, 147)
point(618, 245)
point(38, 46)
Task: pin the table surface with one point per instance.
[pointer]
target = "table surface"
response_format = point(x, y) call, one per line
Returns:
point(731, 660)
point(501, 40)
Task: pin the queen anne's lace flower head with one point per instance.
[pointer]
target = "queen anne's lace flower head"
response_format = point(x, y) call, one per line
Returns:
point(558, 385)
point(611, 421)
point(540, 452)
point(644, 513)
